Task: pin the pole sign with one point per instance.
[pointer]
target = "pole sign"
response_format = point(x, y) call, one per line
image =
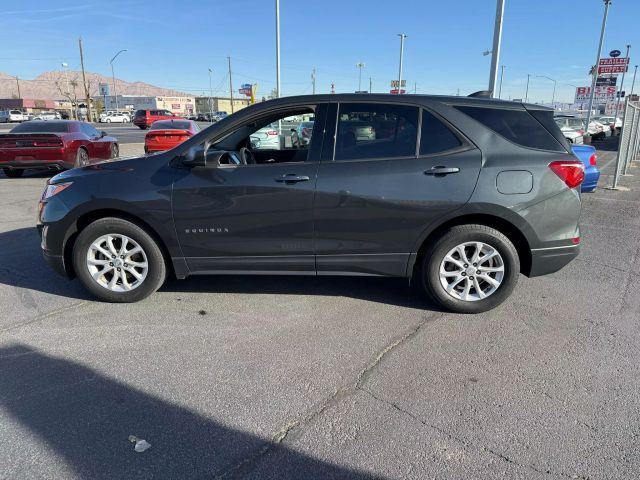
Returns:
point(606, 81)
point(613, 65)
point(394, 84)
point(103, 88)
point(602, 94)
point(245, 89)
point(615, 53)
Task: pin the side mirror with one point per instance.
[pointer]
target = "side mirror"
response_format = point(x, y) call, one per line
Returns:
point(195, 157)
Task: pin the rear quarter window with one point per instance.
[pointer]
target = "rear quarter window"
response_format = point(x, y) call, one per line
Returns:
point(518, 126)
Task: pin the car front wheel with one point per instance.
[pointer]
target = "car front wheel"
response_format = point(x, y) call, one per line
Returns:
point(470, 269)
point(117, 261)
point(9, 173)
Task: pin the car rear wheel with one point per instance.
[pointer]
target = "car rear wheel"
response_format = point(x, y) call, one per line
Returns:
point(82, 158)
point(470, 269)
point(10, 173)
point(115, 151)
point(117, 261)
point(142, 127)
point(108, 120)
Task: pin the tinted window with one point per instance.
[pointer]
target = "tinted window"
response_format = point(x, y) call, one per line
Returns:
point(88, 130)
point(515, 125)
point(41, 127)
point(545, 117)
point(436, 136)
point(169, 124)
point(141, 113)
point(367, 130)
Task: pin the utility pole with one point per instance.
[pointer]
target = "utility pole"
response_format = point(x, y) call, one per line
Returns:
point(66, 74)
point(402, 37)
point(18, 84)
point(555, 83)
point(633, 84)
point(360, 66)
point(526, 95)
point(277, 48)
point(230, 84)
point(501, 77)
point(415, 87)
point(370, 83)
point(607, 3)
point(313, 80)
point(113, 75)
point(210, 97)
point(84, 81)
point(615, 115)
point(497, 41)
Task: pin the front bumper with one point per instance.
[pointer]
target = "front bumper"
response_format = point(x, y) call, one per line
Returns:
point(549, 260)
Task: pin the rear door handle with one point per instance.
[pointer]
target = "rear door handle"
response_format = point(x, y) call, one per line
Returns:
point(440, 170)
point(292, 178)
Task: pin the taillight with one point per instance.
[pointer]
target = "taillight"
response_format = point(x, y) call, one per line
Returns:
point(571, 172)
point(575, 240)
point(272, 132)
point(593, 160)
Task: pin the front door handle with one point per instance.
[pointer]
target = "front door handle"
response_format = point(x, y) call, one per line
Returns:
point(292, 178)
point(440, 170)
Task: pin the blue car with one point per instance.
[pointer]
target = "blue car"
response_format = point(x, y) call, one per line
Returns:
point(587, 155)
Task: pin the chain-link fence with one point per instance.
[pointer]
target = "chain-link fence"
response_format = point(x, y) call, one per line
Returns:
point(629, 145)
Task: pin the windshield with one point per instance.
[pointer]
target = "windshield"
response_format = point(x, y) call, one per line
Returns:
point(41, 127)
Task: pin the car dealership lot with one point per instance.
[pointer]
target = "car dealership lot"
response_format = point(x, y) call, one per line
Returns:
point(275, 377)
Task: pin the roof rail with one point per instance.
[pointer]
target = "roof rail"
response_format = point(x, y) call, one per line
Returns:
point(481, 94)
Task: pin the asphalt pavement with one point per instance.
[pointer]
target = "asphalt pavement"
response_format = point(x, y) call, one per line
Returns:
point(289, 377)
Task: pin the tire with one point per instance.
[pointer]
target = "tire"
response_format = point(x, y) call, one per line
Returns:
point(115, 151)
point(108, 120)
point(11, 173)
point(493, 241)
point(104, 287)
point(142, 127)
point(82, 158)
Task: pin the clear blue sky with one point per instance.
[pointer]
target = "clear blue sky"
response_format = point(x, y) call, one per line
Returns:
point(172, 44)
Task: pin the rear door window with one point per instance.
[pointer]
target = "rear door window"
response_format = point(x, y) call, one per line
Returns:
point(435, 136)
point(518, 126)
point(372, 130)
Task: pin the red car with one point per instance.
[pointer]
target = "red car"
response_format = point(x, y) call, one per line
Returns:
point(145, 118)
point(53, 145)
point(166, 134)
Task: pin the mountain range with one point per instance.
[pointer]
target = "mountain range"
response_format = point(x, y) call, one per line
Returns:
point(53, 86)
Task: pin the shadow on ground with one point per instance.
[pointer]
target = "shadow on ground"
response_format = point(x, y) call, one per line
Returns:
point(86, 418)
point(22, 266)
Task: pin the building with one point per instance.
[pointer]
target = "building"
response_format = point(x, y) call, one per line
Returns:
point(178, 105)
point(27, 104)
point(219, 104)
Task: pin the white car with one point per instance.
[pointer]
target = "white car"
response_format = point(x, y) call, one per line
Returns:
point(610, 122)
point(7, 116)
point(47, 116)
point(115, 117)
point(267, 138)
point(572, 128)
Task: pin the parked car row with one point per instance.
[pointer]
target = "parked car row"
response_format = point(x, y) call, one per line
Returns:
point(18, 116)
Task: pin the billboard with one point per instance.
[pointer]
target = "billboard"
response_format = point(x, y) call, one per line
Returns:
point(606, 81)
point(602, 94)
point(613, 65)
point(103, 88)
point(394, 83)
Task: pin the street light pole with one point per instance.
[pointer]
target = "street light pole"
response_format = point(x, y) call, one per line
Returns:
point(615, 115)
point(526, 95)
point(113, 75)
point(313, 80)
point(497, 40)
point(277, 48)
point(360, 66)
point(607, 3)
point(210, 97)
point(555, 83)
point(402, 37)
point(501, 77)
point(65, 66)
point(633, 84)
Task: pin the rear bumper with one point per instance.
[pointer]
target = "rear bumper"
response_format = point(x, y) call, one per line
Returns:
point(46, 164)
point(591, 177)
point(549, 260)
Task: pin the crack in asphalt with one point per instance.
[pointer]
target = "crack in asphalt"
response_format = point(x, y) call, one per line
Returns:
point(466, 444)
point(247, 463)
point(43, 316)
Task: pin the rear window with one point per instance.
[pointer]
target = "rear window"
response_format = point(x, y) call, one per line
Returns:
point(545, 117)
point(141, 113)
point(168, 124)
point(41, 127)
point(517, 126)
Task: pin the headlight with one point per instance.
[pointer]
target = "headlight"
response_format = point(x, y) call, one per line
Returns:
point(55, 189)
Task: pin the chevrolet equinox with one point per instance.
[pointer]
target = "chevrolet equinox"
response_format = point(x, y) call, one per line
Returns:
point(459, 194)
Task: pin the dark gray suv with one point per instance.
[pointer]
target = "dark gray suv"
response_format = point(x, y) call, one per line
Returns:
point(459, 194)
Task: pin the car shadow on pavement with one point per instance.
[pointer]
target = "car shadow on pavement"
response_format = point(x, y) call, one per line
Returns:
point(392, 291)
point(85, 418)
point(23, 266)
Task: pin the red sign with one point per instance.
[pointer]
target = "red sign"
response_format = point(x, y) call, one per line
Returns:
point(612, 69)
point(395, 91)
point(614, 61)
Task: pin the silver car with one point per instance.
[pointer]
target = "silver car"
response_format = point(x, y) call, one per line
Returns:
point(267, 138)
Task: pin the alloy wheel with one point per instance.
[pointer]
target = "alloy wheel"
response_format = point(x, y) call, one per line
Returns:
point(471, 271)
point(117, 262)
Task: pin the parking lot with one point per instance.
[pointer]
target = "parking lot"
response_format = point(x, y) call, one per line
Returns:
point(296, 377)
